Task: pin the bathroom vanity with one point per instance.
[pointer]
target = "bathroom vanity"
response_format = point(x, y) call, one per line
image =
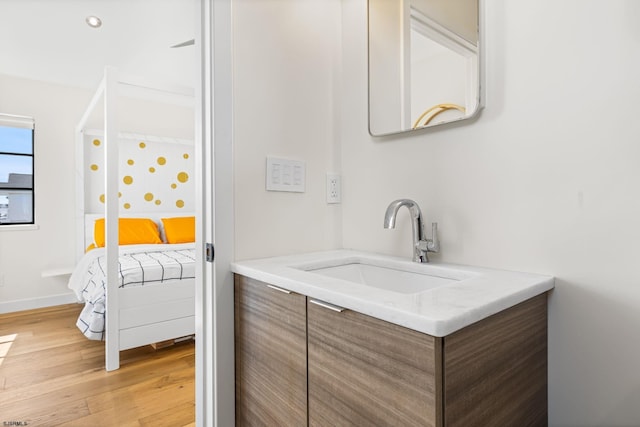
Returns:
point(328, 339)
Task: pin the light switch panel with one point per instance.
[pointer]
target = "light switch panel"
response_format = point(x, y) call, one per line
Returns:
point(285, 175)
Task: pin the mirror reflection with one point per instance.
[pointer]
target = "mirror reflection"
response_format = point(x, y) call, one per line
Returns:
point(423, 63)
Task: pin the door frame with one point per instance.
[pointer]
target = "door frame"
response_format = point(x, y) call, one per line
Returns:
point(215, 379)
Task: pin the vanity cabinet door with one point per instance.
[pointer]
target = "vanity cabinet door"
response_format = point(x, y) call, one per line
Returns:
point(271, 355)
point(367, 372)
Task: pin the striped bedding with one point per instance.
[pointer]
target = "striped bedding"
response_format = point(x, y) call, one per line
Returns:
point(139, 265)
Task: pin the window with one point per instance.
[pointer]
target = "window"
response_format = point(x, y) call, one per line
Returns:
point(16, 170)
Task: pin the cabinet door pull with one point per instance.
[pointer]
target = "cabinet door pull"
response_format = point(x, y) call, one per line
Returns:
point(279, 289)
point(327, 305)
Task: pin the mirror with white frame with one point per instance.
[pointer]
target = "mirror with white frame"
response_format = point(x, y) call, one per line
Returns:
point(424, 63)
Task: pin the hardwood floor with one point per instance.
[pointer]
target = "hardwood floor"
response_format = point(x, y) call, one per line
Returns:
point(52, 375)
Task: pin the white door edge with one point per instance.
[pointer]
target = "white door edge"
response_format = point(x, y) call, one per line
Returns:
point(215, 380)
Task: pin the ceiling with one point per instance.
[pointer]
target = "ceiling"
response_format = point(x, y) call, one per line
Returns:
point(49, 40)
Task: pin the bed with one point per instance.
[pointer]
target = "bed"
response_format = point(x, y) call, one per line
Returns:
point(156, 284)
point(133, 174)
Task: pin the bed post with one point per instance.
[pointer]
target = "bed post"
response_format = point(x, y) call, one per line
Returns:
point(80, 207)
point(112, 319)
point(80, 202)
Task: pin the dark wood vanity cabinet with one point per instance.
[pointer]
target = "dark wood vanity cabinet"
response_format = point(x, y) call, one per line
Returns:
point(360, 371)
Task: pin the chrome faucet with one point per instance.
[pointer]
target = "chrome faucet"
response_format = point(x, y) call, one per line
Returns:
point(421, 245)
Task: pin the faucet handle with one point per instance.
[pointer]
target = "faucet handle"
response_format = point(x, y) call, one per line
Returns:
point(430, 245)
point(433, 244)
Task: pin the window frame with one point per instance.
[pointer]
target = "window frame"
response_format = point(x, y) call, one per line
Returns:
point(21, 122)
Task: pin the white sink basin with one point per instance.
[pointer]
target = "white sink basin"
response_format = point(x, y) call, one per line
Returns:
point(404, 279)
point(389, 279)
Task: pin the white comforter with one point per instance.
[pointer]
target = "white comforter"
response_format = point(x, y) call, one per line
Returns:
point(139, 265)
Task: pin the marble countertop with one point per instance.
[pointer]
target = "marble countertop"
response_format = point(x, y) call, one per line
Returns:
point(472, 294)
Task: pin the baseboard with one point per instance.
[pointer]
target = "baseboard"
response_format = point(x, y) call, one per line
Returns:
point(31, 303)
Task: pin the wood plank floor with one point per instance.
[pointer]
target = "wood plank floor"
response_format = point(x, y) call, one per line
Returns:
point(52, 375)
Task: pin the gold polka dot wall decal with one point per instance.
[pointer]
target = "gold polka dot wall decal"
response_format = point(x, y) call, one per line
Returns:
point(142, 145)
point(102, 198)
point(185, 155)
point(183, 177)
point(174, 186)
point(96, 142)
point(157, 202)
point(180, 203)
point(152, 169)
point(126, 206)
point(130, 162)
point(148, 197)
point(119, 194)
point(162, 161)
point(94, 167)
point(127, 180)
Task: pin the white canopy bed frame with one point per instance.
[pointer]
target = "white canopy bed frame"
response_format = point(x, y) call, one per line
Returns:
point(135, 316)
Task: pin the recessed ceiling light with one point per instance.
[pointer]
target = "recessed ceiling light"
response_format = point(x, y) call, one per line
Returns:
point(93, 21)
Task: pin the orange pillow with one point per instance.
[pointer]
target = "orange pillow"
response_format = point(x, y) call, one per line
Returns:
point(131, 231)
point(180, 229)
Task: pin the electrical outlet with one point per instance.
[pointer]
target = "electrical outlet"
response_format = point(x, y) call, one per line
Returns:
point(334, 193)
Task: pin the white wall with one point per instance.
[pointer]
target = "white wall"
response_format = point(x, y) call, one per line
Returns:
point(547, 180)
point(286, 68)
point(24, 255)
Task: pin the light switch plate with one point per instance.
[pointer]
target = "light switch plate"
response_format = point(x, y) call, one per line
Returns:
point(285, 175)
